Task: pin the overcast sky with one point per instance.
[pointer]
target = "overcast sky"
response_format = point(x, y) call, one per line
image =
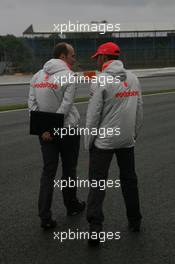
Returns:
point(17, 15)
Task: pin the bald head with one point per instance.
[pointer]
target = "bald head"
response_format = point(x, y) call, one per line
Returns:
point(65, 52)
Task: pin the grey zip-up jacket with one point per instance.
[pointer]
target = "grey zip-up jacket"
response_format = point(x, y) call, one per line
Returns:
point(48, 95)
point(117, 107)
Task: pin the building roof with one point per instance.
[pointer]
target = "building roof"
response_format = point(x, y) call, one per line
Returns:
point(124, 28)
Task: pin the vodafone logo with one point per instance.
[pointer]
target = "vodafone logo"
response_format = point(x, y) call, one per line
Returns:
point(126, 94)
point(45, 85)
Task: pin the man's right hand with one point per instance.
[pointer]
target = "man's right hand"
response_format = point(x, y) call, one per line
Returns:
point(46, 136)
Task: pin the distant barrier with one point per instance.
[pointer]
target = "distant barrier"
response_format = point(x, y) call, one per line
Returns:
point(136, 52)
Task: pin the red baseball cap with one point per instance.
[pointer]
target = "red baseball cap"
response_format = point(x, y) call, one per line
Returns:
point(108, 48)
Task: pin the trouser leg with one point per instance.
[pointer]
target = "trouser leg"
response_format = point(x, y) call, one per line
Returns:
point(50, 154)
point(99, 162)
point(69, 154)
point(128, 179)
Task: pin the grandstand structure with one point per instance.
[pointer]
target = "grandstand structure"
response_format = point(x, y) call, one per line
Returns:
point(141, 47)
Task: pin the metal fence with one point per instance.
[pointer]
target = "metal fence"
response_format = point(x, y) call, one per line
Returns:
point(137, 52)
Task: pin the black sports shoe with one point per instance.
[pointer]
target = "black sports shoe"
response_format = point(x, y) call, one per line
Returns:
point(48, 224)
point(76, 209)
point(94, 242)
point(134, 226)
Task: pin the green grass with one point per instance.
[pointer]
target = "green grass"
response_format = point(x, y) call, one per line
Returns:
point(159, 91)
point(81, 99)
point(13, 107)
point(78, 100)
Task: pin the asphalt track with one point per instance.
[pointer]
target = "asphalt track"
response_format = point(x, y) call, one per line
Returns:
point(18, 94)
point(23, 242)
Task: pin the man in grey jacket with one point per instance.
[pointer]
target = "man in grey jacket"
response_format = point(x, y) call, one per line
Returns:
point(51, 91)
point(115, 108)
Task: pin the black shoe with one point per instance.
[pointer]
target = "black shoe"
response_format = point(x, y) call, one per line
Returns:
point(94, 242)
point(76, 209)
point(134, 226)
point(48, 224)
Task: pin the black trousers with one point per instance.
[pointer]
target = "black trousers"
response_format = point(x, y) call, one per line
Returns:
point(99, 163)
point(68, 148)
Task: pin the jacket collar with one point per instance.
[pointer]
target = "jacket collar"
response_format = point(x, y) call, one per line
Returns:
point(106, 64)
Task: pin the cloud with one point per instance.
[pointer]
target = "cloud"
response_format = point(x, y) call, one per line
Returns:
point(43, 13)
